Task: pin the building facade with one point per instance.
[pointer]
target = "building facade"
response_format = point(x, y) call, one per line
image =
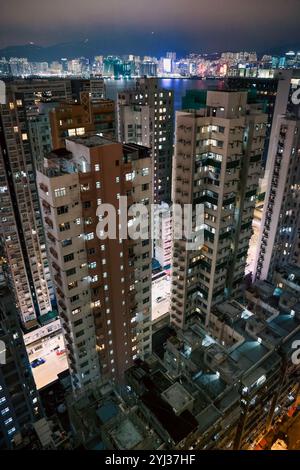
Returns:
point(19, 400)
point(21, 225)
point(217, 164)
point(279, 233)
point(103, 286)
point(145, 117)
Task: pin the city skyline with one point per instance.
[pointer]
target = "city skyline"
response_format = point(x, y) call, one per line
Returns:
point(150, 227)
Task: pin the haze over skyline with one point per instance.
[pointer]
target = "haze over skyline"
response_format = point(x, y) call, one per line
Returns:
point(142, 27)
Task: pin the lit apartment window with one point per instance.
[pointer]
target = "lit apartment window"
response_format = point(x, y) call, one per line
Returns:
point(98, 184)
point(92, 265)
point(71, 132)
point(97, 303)
point(89, 236)
point(99, 201)
point(16, 129)
point(64, 226)
point(129, 176)
point(75, 311)
point(59, 192)
point(117, 179)
point(19, 103)
point(145, 171)
point(80, 130)
point(97, 167)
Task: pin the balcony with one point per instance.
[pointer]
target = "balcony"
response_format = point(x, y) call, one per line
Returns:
point(49, 222)
point(53, 252)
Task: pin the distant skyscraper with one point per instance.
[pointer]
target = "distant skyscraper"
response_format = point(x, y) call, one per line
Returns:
point(19, 401)
point(145, 117)
point(103, 287)
point(217, 163)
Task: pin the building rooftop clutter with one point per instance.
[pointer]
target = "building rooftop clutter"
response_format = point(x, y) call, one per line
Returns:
point(61, 161)
point(127, 435)
point(101, 418)
point(178, 397)
point(134, 152)
point(91, 141)
point(289, 274)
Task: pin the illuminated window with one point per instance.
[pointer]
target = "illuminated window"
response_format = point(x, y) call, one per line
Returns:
point(60, 192)
point(80, 130)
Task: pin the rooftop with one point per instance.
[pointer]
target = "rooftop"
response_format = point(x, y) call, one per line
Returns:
point(91, 141)
point(178, 397)
point(126, 435)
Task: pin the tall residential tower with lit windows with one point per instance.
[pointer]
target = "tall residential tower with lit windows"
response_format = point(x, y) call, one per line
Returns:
point(103, 286)
point(145, 117)
point(217, 164)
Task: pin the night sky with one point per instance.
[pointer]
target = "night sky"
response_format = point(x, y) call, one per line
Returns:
point(153, 26)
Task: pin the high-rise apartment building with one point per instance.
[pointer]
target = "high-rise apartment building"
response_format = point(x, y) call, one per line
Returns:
point(37, 90)
point(71, 119)
point(102, 285)
point(95, 88)
point(19, 400)
point(145, 117)
point(25, 138)
point(217, 164)
point(280, 227)
point(20, 223)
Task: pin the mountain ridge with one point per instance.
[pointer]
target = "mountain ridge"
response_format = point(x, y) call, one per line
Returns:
point(88, 49)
